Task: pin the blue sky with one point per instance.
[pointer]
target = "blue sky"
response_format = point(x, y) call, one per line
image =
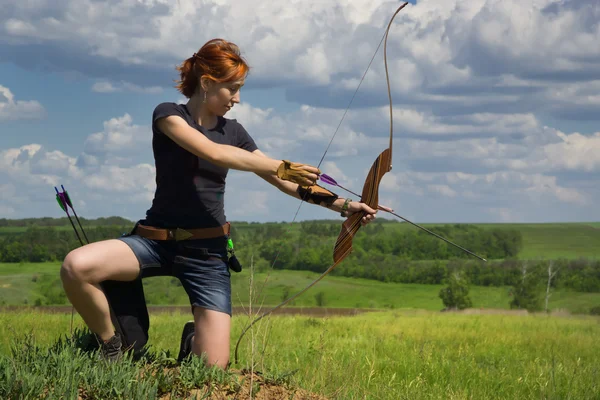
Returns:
point(496, 104)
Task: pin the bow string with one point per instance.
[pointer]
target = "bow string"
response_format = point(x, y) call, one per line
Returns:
point(370, 193)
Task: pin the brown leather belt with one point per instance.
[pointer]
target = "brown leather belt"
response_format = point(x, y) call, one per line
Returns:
point(177, 234)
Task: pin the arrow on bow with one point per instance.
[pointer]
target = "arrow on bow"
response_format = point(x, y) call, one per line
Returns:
point(370, 196)
point(330, 181)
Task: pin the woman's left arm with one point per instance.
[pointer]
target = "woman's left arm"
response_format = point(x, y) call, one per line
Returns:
point(291, 189)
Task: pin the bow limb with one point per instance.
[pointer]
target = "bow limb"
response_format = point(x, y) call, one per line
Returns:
point(370, 197)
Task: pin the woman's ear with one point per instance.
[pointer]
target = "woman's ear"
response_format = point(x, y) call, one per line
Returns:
point(206, 83)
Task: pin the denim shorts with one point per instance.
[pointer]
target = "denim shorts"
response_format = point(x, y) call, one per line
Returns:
point(200, 264)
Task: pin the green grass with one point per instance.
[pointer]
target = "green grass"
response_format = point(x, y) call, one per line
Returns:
point(17, 287)
point(390, 355)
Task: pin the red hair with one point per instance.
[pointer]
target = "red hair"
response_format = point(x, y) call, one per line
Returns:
point(218, 60)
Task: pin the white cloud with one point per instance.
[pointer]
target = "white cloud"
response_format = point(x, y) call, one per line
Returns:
point(575, 152)
point(444, 190)
point(255, 203)
point(120, 139)
point(29, 173)
point(445, 56)
point(25, 165)
point(474, 86)
point(300, 132)
point(516, 183)
point(111, 87)
point(11, 109)
point(137, 181)
point(428, 36)
point(504, 214)
point(113, 178)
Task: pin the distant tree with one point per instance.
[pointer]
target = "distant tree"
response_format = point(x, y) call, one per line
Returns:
point(456, 294)
point(320, 299)
point(526, 293)
point(551, 274)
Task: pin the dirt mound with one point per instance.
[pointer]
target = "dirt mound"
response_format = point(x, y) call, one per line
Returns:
point(250, 386)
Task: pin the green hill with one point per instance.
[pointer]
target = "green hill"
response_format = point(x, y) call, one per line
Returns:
point(22, 284)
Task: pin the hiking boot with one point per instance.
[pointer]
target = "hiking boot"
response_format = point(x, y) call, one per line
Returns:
point(110, 349)
point(185, 347)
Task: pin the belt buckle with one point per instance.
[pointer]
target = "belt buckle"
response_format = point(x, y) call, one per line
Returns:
point(178, 234)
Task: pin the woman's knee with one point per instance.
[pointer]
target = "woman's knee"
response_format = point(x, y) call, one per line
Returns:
point(99, 261)
point(75, 267)
point(212, 357)
point(212, 336)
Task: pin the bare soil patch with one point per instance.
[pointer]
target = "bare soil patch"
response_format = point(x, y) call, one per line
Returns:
point(308, 311)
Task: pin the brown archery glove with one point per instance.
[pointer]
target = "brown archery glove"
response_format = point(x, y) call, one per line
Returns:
point(294, 172)
point(317, 195)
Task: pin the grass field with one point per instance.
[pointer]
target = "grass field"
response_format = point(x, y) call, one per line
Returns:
point(390, 355)
point(561, 240)
point(17, 285)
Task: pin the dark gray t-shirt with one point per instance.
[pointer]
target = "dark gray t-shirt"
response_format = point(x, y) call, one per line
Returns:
point(190, 190)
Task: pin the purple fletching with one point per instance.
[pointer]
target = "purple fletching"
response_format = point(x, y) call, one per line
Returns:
point(327, 179)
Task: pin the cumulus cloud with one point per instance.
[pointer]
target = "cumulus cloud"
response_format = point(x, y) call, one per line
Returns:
point(113, 178)
point(506, 185)
point(480, 158)
point(448, 54)
point(575, 152)
point(29, 173)
point(111, 87)
point(300, 133)
point(28, 165)
point(136, 183)
point(487, 94)
point(11, 109)
point(121, 142)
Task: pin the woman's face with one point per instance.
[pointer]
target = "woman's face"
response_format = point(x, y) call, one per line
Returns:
point(221, 97)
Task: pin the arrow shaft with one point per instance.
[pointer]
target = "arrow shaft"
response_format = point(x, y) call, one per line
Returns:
point(437, 236)
point(419, 226)
point(81, 227)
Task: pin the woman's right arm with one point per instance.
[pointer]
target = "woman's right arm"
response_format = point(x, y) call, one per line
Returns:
point(224, 155)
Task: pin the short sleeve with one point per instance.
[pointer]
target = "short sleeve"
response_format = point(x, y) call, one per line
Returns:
point(244, 140)
point(166, 109)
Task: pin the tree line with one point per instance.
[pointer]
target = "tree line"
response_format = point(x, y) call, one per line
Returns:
point(60, 222)
point(383, 250)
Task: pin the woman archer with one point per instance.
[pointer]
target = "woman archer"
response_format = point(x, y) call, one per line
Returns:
point(185, 231)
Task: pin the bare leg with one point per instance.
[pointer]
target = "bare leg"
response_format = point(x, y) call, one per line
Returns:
point(82, 271)
point(211, 336)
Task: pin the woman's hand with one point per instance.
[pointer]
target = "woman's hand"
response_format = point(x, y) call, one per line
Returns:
point(355, 206)
point(302, 174)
